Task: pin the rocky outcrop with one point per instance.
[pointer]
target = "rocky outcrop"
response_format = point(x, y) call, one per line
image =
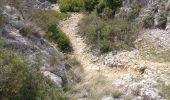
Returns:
point(36, 49)
point(153, 8)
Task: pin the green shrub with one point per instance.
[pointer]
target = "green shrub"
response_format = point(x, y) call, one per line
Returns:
point(57, 36)
point(48, 20)
point(134, 12)
point(90, 5)
point(108, 5)
point(22, 81)
point(116, 94)
point(110, 34)
point(148, 21)
point(71, 5)
point(162, 20)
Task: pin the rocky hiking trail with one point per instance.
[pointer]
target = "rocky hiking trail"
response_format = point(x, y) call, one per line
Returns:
point(129, 79)
point(70, 27)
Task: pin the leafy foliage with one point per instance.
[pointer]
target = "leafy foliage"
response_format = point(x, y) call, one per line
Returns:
point(162, 20)
point(109, 5)
point(134, 12)
point(48, 20)
point(71, 5)
point(56, 35)
point(22, 81)
point(90, 5)
point(148, 22)
point(109, 34)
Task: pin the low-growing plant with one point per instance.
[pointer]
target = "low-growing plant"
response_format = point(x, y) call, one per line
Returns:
point(90, 5)
point(116, 94)
point(29, 30)
point(107, 7)
point(48, 21)
point(45, 18)
point(110, 34)
point(22, 81)
point(148, 21)
point(56, 35)
point(71, 5)
point(162, 20)
point(135, 10)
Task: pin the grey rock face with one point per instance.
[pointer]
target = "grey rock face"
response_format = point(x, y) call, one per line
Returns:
point(153, 8)
point(36, 49)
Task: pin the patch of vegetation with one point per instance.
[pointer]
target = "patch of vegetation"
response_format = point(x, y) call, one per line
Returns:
point(22, 81)
point(90, 5)
point(71, 5)
point(108, 7)
point(116, 94)
point(29, 30)
point(56, 35)
point(48, 21)
point(93, 90)
point(107, 35)
point(45, 18)
point(162, 20)
point(134, 13)
point(103, 8)
point(148, 22)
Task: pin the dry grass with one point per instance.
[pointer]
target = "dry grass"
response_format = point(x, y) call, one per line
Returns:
point(93, 90)
point(153, 52)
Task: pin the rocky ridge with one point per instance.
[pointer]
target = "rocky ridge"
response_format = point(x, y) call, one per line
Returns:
point(36, 49)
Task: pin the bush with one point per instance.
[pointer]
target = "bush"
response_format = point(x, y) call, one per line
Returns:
point(109, 5)
point(134, 12)
point(148, 21)
point(71, 5)
point(48, 20)
point(110, 34)
point(22, 81)
point(162, 20)
point(56, 35)
point(116, 94)
point(90, 5)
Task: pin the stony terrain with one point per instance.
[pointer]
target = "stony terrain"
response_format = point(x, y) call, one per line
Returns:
point(36, 50)
point(139, 78)
point(137, 81)
point(134, 77)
